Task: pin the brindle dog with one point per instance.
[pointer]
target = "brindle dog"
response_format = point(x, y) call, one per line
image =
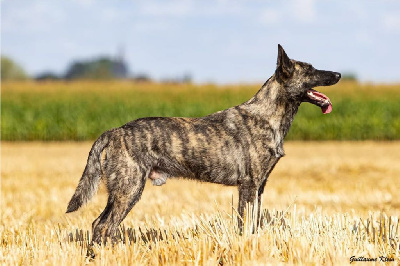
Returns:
point(238, 146)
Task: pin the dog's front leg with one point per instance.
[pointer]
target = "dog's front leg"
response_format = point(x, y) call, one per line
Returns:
point(260, 216)
point(247, 194)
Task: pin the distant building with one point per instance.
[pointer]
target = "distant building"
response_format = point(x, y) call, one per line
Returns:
point(120, 68)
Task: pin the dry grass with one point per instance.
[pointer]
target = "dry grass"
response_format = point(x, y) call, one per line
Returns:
point(326, 202)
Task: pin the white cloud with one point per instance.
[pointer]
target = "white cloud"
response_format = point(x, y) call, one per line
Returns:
point(152, 26)
point(364, 37)
point(173, 9)
point(269, 16)
point(391, 22)
point(186, 8)
point(110, 14)
point(32, 17)
point(304, 10)
point(85, 3)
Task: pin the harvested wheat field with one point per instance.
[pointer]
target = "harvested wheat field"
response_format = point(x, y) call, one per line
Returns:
point(326, 202)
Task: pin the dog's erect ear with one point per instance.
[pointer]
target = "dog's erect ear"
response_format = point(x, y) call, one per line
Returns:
point(284, 67)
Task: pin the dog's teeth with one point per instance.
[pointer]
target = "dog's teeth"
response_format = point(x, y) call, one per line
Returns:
point(318, 98)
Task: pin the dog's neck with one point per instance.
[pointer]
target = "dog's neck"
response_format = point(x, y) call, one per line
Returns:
point(270, 104)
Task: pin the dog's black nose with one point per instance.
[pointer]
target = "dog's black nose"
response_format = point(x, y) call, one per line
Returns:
point(338, 75)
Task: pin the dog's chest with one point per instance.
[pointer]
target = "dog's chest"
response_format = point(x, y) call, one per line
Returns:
point(268, 140)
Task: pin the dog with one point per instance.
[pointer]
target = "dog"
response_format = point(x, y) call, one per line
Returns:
point(239, 146)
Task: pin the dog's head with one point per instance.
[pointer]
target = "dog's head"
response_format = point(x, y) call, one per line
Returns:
point(298, 79)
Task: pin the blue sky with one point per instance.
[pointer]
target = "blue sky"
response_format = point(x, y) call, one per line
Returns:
point(215, 41)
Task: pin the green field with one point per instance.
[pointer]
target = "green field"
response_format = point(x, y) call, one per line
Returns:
point(83, 110)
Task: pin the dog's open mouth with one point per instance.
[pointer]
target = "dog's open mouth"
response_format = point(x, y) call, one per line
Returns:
point(319, 99)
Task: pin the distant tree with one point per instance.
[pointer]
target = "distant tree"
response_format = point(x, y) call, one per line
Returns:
point(47, 76)
point(11, 70)
point(101, 68)
point(76, 70)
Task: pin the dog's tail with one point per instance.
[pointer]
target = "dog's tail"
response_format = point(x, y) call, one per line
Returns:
point(91, 176)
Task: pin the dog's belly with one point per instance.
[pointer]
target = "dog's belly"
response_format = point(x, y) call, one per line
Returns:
point(219, 176)
point(159, 177)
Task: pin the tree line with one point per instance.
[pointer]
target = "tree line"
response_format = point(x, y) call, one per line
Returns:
point(100, 68)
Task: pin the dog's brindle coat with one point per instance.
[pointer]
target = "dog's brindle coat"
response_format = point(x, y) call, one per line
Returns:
point(238, 146)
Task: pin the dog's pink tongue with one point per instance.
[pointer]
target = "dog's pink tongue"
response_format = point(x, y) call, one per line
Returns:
point(328, 108)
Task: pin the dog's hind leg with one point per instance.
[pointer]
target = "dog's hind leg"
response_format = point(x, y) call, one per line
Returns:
point(125, 189)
